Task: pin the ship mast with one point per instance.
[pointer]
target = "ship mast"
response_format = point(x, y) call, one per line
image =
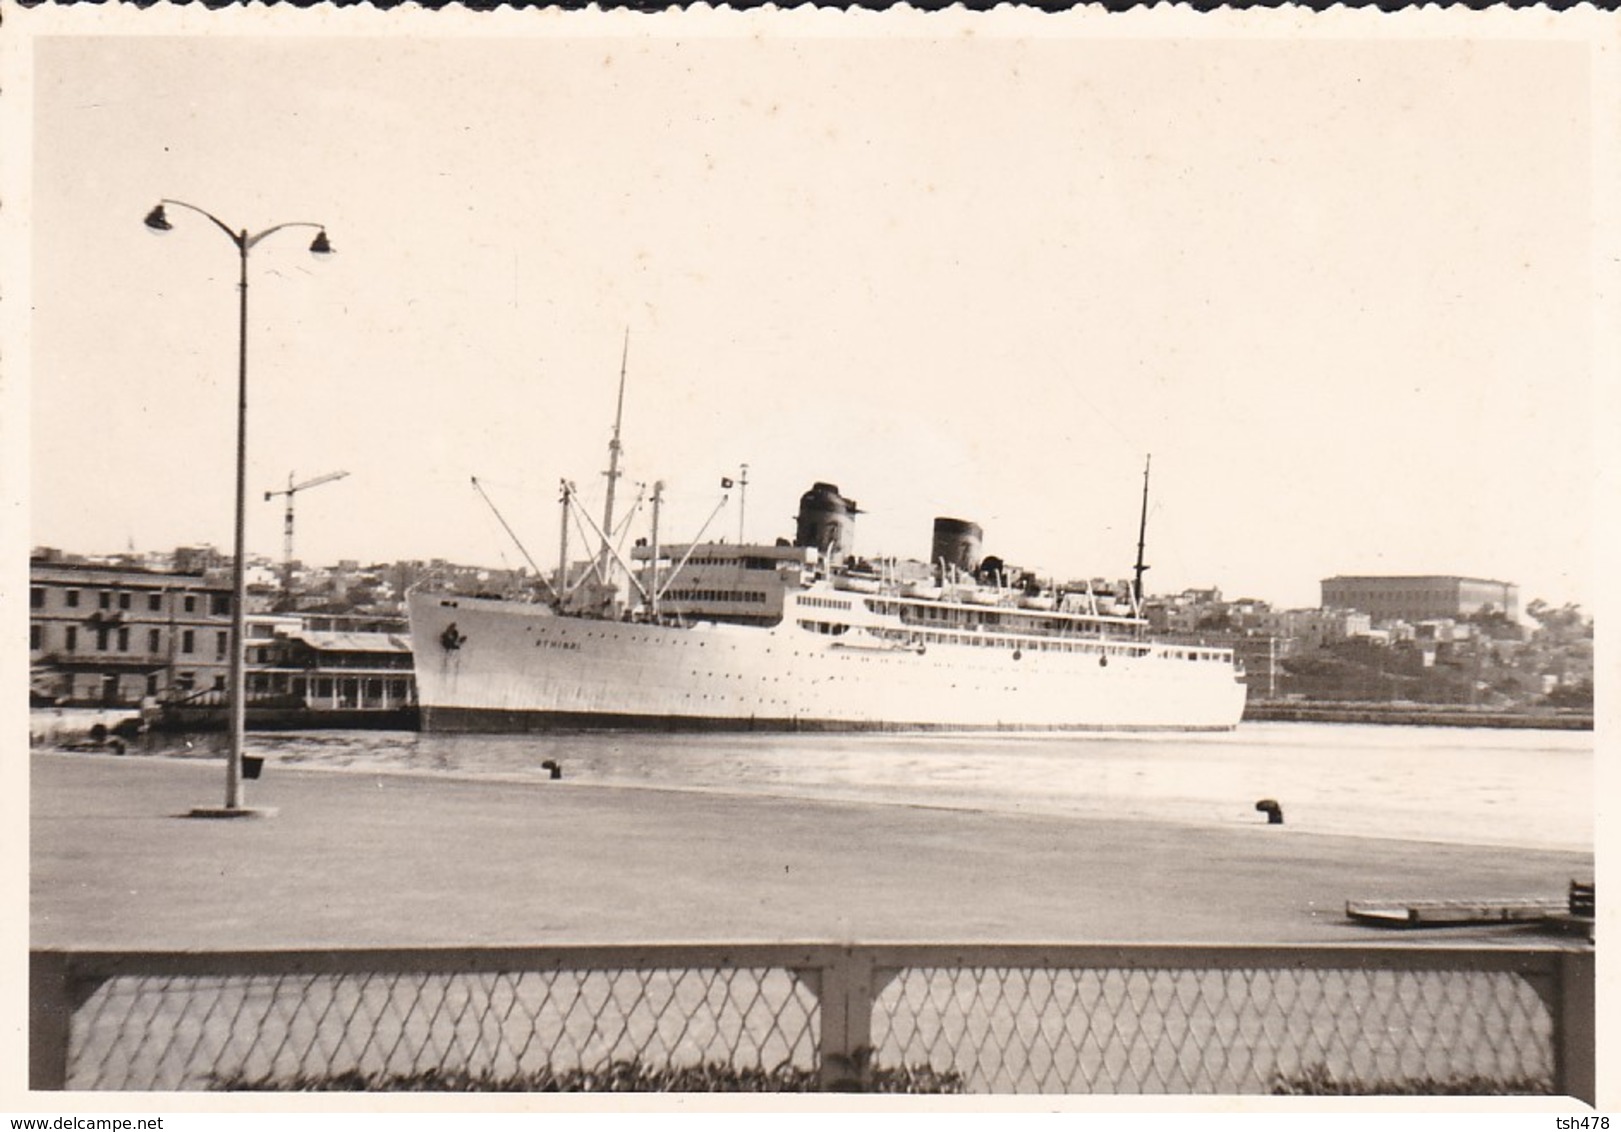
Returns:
point(1142, 534)
point(562, 548)
point(613, 462)
point(653, 557)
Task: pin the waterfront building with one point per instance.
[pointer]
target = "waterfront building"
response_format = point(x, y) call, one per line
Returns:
point(327, 670)
point(112, 635)
point(265, 635)
point(1421, 597)
point(301, 676)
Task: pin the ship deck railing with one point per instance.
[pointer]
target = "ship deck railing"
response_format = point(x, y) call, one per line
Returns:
point(994, 637)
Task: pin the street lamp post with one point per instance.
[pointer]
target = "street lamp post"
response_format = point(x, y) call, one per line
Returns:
point(158, 221)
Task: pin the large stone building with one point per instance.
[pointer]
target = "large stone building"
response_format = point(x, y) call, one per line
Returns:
point(111, 635)
point(1420, 597)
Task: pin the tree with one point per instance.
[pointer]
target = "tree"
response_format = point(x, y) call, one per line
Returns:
point(1578, 695)
point(1566, 623)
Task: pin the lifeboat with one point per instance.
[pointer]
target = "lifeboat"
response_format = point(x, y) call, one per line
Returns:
point(857, 583)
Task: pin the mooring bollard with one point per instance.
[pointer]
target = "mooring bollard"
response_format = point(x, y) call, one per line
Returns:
point(1273, 811)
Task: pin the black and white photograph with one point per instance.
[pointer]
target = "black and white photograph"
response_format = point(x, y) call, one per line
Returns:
point(997, 559)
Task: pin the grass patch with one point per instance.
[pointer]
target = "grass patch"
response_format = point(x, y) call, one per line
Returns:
point(618, 1077)
point(1319, 1081)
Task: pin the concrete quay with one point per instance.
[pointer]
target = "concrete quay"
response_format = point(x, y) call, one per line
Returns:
point(368, 860)
point(1414, 716)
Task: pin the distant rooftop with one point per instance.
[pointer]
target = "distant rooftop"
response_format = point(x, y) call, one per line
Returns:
point(331, 641)
point(108, 568)
point(1415, 578)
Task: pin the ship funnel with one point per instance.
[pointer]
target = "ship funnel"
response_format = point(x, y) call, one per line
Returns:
point(956, 542)
point(827, 522)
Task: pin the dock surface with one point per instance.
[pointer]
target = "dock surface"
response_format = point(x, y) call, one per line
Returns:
point(353, 859)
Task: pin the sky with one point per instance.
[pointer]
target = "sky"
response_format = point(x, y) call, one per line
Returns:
point(1340, 290)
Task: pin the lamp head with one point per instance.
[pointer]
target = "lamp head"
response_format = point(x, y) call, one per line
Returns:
point(157, 221)
point(320, 245)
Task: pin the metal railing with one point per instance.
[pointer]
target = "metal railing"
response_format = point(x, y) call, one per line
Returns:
point(1164, 1019)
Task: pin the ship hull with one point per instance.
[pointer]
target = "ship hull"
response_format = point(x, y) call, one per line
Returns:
point(507, 722)
point(494, 666)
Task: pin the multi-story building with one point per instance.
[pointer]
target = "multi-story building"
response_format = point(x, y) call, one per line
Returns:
point(1185, 612)
point(111, 635)
point(1355, 623)
point(1426, 597)
point(199, 559)
point(1301, 629)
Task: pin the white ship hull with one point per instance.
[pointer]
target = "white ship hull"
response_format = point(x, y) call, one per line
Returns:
point(487, 665)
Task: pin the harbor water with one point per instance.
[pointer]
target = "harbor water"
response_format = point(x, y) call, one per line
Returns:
point(1524, 788)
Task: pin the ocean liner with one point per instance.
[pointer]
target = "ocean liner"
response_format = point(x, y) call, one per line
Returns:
point(808, 636)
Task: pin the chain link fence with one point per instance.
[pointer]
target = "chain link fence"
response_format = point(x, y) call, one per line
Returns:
point(983, 1019)
point(1225, 1031)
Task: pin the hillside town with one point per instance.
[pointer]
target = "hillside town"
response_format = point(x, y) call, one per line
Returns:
point(133, 628)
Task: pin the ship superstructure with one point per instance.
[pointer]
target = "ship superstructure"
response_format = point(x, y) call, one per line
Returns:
point(806, 635)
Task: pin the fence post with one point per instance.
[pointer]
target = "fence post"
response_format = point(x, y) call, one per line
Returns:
point(1575, 1058)
point(846, 1005)
point(50, 1017)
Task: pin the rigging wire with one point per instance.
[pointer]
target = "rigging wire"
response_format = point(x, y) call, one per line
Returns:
point(514, 536)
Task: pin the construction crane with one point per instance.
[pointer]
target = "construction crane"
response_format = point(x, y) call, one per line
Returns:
point(290, 491)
